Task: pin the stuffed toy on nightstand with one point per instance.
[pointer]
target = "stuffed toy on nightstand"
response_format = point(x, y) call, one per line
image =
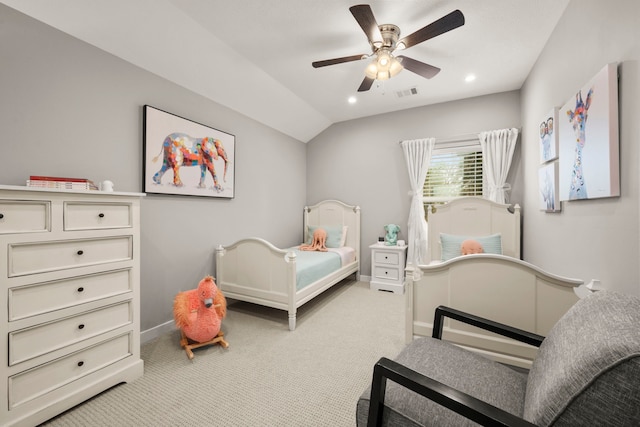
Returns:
point(198, 314)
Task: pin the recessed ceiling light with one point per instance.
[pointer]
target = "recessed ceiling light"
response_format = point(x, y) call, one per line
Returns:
point(469, 78)
point(352, 100)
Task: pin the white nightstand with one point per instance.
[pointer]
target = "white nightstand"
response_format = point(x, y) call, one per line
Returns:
point(387, 267)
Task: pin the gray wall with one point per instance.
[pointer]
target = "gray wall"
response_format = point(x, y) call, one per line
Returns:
point(70, 109)
point(592, 239)
point(361, 162)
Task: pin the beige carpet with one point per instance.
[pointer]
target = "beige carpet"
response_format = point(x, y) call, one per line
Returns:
point(268, 376)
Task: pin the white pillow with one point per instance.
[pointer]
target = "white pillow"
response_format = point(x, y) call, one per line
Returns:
point(344, 235)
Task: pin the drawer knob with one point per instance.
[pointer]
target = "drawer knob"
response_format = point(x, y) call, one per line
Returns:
point(80, 363)
point(80, 252)
point(1, 216)
point(80, 289)
point(101, 215)
point(386, 257)
point(81, 326)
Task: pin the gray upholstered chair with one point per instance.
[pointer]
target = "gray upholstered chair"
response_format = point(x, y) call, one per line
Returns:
point(586, 373)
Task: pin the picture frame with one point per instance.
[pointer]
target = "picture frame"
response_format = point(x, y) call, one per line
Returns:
point(186, 158)
point(548, 136)
point(589, 142)
point(548, 185)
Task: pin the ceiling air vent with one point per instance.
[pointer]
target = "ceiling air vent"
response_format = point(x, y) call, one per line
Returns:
point(407, 92)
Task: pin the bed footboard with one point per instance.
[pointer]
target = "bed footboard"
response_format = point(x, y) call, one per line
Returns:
point(497, 287)
point(254, 270)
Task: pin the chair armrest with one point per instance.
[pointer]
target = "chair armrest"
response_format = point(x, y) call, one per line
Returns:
point(486, 324)
point(459, 402)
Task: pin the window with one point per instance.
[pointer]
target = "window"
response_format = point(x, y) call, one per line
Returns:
point(455, 171)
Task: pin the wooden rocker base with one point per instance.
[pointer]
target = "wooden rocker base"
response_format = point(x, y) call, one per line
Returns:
point(189, 345)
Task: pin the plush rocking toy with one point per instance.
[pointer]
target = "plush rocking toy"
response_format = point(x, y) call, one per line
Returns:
point(198, 314)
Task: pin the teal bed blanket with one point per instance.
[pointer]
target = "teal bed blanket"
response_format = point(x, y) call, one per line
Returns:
point(313, 265)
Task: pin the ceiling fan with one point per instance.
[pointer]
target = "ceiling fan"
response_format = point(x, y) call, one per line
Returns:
point(384, 40)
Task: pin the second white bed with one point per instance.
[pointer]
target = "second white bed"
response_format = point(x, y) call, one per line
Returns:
point(256, 271)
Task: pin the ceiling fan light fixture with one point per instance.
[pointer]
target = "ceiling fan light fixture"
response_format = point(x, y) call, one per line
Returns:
point(372, 70)
point(383, 67)
point(395, 67)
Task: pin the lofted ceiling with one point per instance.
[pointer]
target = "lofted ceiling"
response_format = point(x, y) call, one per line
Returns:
point(254, 56)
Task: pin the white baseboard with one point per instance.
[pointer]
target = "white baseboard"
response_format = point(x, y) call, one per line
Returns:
point(364, 278)
point(156, 331)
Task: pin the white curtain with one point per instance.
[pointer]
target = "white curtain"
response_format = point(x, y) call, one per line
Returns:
point(497, 151)
point(417, 154)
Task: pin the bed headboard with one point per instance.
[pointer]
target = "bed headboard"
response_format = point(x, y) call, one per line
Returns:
point(335, 212)
point(475, 216)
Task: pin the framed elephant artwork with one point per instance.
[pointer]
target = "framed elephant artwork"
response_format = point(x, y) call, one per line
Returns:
point(186, 158)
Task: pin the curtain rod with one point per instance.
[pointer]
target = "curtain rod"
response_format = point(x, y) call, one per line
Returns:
point(457, 138)
point(463, 137)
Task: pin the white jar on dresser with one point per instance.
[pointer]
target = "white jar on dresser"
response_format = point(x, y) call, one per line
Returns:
point(387, 267)
point(69, 298)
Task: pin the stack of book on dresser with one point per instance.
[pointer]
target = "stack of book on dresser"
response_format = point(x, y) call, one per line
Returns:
point(61, 183)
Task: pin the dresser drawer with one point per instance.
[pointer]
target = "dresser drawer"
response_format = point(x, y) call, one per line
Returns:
point(36, 382)
point(386, 273)
point(30, 258)
point(24, 216)
point(383, 257)
point(91, 216)
point(41, 298)
point(27, 343)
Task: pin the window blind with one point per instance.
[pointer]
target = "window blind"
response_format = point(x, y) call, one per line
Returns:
point(455, 170)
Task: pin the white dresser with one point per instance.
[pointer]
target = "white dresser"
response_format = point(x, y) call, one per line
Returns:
point(387, 267)
point(69, 298)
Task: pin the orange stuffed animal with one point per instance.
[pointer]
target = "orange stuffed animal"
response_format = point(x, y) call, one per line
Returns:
point(471, 246)
point(318, 243)
point(199, 313)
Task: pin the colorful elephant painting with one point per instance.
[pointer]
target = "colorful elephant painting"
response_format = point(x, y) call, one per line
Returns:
point(180, 149)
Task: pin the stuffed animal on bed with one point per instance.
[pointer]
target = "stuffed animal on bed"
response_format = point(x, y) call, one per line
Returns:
point(318, 243)
point(391, 236)
point(471, 246)
point(199, 312)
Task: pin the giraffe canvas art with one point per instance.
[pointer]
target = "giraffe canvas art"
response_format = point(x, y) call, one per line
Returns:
point(549, 136)
point(548, 185)
point(588, 140)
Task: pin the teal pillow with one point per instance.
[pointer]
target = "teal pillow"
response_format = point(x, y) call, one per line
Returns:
point(334, 235)
point(450, 244)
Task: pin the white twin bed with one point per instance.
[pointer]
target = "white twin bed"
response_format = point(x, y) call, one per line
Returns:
point(254, 270)
point(500, 287)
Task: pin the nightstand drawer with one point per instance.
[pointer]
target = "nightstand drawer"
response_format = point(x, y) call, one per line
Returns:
point(383, 257)
point(36, 382)
point(386, 273)
point(40, 257)
point(31, 342)
point(24, 216)
point(41, 298)
point(91, 216)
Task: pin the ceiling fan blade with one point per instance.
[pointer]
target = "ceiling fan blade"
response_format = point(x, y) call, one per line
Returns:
point(425, 70)
point(366, 84)
point(364, 16)
point(447, 23)
point(318, 64)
